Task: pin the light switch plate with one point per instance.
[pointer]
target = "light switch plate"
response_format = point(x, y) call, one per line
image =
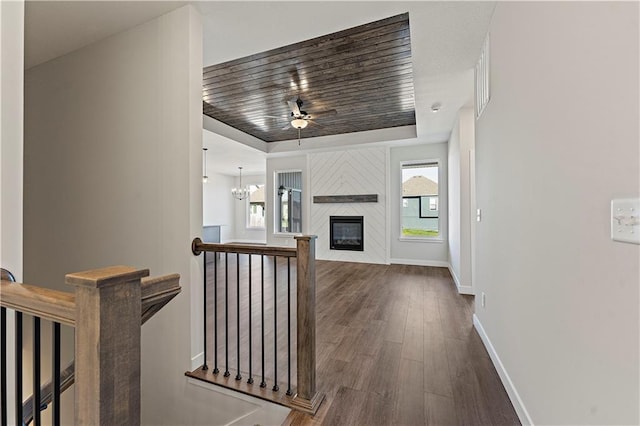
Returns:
point(625, 220)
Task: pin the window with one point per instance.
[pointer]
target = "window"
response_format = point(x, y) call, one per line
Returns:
point(420, 215)
point(255, 215)
point(288, 194)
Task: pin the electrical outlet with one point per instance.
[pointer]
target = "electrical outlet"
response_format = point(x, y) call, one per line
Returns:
point(478, 215)
point(484, 300)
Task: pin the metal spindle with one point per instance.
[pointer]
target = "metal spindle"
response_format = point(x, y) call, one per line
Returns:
point(36, 372)
point(238, 376)
point(56, 375)
point(289, 393)
point(215, 313)
point(3, 366)
point(250, 380)
point(275, 324)
point(18, 368)
point(226, 314)
point(204, 315)
point(263, 384)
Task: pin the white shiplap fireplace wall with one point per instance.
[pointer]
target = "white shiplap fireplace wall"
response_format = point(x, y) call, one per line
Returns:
point(350, 172)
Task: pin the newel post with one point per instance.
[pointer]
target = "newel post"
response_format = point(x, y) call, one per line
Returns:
point(307, 399)
point(107, 348)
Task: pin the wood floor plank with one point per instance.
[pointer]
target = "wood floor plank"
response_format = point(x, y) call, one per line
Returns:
point(471, 408)
point(437, 379)
point(383, 381)
point(439, 410)
point(409, 406)
point(396, 323)
point(342, 408)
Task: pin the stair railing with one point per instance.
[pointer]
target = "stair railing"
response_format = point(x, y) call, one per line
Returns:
point(242, 301)
point(107, 309)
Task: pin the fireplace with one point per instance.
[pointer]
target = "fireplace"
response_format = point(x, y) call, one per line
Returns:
point(346, 233)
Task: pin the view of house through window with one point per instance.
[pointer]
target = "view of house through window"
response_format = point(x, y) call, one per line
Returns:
point(256, 207)
point(420, 210)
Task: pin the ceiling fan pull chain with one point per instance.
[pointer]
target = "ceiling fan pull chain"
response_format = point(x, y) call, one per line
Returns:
point(298, 136)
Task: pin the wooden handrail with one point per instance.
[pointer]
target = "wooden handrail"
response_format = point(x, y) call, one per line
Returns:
point(41, 302)
point(60, 306)
point(197, 247)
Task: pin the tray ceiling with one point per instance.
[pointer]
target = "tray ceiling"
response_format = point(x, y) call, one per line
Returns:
point(349, 81)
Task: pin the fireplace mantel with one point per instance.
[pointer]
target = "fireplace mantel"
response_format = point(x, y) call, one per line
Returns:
point(362, 198)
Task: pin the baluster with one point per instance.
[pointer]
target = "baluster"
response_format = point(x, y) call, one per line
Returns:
point(275, 324)
point(55, 368)
point(36, 372)
point(226, 314)
point(238, 376)
point(3, 366)
point(289, 393)
point(263, 384)
point(204, 315)
point(18, 368)
point(250, 380)
point(215, 313)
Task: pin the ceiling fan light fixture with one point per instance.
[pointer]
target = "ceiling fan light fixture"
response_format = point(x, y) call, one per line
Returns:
point(299, 123)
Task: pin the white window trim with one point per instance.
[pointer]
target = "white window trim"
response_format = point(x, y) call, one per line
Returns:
point(247, 211)
point(276, 224)
point(406, 238)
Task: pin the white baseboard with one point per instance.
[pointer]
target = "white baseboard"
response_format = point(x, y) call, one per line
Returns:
point(418, 262)
point(514, 396)
point(197, 361)
point(462, 289)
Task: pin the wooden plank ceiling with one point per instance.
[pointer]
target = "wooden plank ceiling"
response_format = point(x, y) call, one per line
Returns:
point(350, 81)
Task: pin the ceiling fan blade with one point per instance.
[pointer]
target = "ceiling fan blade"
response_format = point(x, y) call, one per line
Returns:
point(313, 123)
point(293, 106)
point(287, 127)
point(324, 113)
point(279, 117)
point(295, 77)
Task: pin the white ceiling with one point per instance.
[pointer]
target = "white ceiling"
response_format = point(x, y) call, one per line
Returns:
point(225, 156)
point(446, 39)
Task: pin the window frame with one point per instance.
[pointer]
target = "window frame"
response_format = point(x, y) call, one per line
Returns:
point(248, 210)
point(433, 162)
point(277, 217)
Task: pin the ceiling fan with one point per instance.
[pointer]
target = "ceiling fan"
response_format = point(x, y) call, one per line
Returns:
point(300, 118)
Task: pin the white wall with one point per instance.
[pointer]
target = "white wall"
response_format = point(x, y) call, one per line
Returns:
point(350, 172)
point(113, 175)
point(218, 205)
point(11, 134)
point(11, 154)
point(417, 252)
point(558, 141)
point(461, 148)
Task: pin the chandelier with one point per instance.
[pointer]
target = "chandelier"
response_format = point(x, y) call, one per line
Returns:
point(242, 192)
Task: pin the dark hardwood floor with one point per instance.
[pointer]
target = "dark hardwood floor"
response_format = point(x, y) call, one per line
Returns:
point(395, 346)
